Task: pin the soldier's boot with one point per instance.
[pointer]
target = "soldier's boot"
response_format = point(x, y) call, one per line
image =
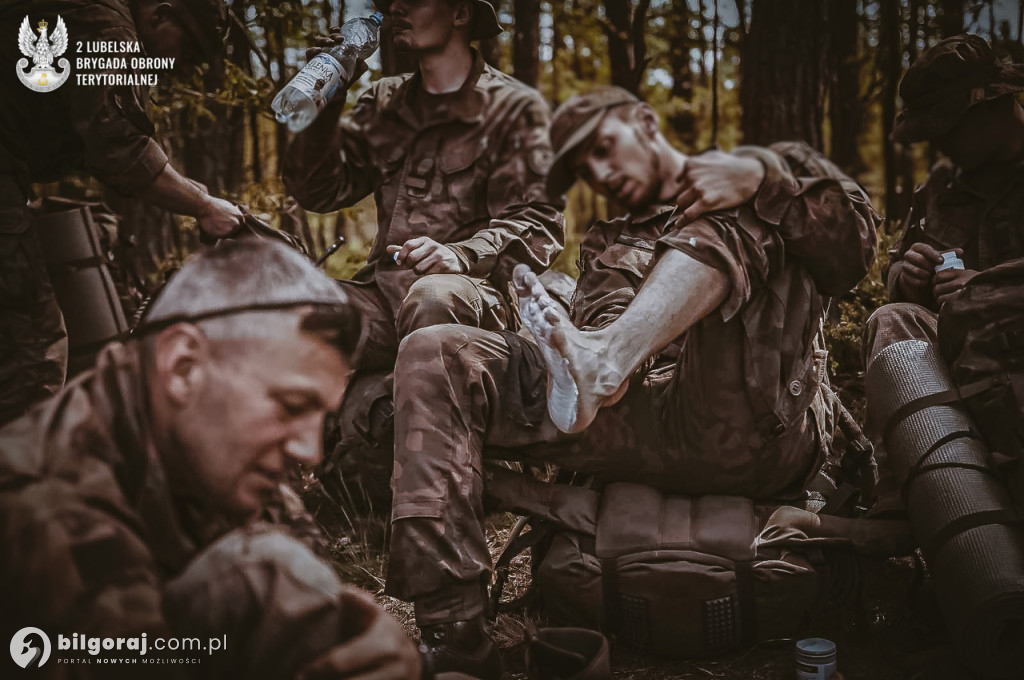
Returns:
point(460, 647)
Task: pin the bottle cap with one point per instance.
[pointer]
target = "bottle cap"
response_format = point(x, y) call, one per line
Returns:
point(816, 647)
point(377, 18)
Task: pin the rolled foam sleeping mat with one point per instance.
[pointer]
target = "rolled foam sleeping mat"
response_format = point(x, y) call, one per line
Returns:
point(933, 522)
point(982, 596)
point(915, 436)
point(960, 512)
point(900, 373)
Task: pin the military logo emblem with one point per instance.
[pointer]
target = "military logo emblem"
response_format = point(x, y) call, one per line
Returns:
point(42, 77)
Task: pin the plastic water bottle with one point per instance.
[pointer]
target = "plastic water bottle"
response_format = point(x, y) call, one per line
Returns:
point(302, 100)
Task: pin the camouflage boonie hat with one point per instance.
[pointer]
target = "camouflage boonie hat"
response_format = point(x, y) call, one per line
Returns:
point(485, 18)
point(948, 79)
point(573, 122)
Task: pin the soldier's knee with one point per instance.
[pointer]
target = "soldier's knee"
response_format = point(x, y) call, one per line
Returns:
point(274, 602)
point(895, 322)
point(423, 348)
point(237, 577)
point(437, 299)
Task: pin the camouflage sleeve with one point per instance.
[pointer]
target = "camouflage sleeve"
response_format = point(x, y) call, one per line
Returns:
point(76, 567)
point(329, 174)
point(114, 127)
point(610, 274)
point(278, 606)
point(914, 231)
point(525, 226)
point(912, 227)
point(736, 243)
point(823, 216)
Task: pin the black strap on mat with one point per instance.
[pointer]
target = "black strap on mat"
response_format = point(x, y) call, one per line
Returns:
point(958, 526)
point(937, 399)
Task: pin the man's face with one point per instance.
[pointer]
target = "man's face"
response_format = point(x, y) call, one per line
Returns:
point(619, 161)
point(423, 25)
point(257, 410)
point(979, 135)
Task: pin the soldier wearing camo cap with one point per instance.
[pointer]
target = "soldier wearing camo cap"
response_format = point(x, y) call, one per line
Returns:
point(962, 98)
point(721, 407)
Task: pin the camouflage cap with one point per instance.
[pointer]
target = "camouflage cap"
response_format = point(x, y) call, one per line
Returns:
point(574, 121)
point(485, 18)
point(948, 79)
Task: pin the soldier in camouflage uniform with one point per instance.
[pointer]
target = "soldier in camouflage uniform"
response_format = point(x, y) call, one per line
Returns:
point(719, 407)
point(455, 155)
point(961, 98)
point(129, 502)
point(101, 129)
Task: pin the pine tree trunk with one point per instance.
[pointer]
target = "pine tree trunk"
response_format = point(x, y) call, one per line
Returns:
point(844, 100)
point(627, 51)
point(784, 72)
point(951, 20)
point(526, 43)
point(889, 67)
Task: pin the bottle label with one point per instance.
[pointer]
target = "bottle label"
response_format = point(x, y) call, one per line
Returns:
point(319, 79)
point(815, 671)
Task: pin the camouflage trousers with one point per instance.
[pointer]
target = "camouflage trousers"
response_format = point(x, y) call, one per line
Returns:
point(33, 341)
point(895, 322)
point(463, 393)
point(267, 596)
point(359, 438)
point(431, 300)
point(889, 324)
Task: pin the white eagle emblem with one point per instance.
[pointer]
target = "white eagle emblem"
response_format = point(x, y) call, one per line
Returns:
point(42, 51)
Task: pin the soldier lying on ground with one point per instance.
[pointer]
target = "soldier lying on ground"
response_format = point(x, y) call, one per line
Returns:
point(960, 97)
point(128, 503)
point(103, 129)
point(727, 319)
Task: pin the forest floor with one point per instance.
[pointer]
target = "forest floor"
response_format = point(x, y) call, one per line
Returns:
point(889, 631)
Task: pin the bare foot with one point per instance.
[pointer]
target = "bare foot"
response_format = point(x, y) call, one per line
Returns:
point(579, 379)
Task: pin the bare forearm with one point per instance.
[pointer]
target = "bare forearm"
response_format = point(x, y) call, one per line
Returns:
point(182, 196)
point(174, 192)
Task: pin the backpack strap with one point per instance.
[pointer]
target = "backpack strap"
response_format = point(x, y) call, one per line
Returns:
point(746, 601)
point(518, 543)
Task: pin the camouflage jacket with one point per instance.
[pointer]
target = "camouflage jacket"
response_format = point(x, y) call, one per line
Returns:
point(981, 212)
point(91, 531)
point(764, 355)
point(103, 130)
point(472, 176)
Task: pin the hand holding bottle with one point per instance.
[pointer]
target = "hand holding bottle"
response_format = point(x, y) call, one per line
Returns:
point(336, 62)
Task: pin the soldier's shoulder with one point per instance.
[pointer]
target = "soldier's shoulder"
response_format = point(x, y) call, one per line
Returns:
point(383, 90)
point(602, 233)
point(508, 90)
